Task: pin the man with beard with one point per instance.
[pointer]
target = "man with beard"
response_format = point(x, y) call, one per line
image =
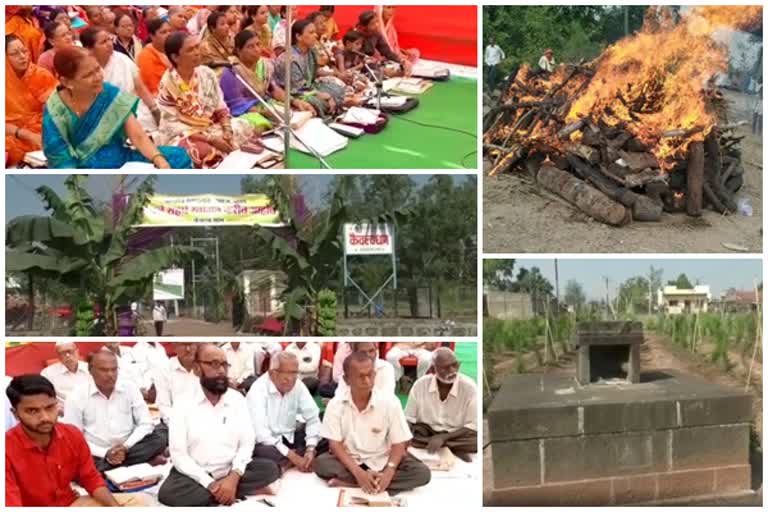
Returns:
point(442, 408)
point(114, 417)
point(368, 436)
point(42, 456)
point(212, 439)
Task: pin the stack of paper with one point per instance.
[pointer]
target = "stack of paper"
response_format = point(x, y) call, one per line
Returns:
point(429, 70)
point(319, 137)
point(359, 115)
point(239, 159)
point(412, 86)
point(349, 497)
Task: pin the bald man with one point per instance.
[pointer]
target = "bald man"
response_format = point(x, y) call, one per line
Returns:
point(211, 441)
point(66, 374)
point(114, 417)
point(442, 408)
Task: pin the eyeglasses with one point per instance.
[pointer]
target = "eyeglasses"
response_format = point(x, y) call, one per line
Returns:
point(216, 365)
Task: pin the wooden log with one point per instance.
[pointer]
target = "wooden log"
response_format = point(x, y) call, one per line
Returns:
point(656, 191)
point(713, 168)
point(681, 132)
point(588, 153)
point(586, 198)
point(643, 177)
point(638, 161)
point(714, 201)
point(508, 160)
point(619, 141)
point(591, 138)
point(568, 129)
point(634, 144)
point(694, 199)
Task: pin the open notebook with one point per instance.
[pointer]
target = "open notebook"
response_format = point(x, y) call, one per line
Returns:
point(351, 497)
point(318, 136)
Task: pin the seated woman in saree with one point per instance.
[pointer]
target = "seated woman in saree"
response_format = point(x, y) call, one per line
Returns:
point(194, 113)
point(120, 71)
point(280, 30)
point(126, 41)
point(217, 47)
point(325, 97)
point(57, 36)
point(257, 72)
point(86, 121)
point(386, 15)
point(27, 87)
point(257, 21)
point(375, 44)
point(152, 61)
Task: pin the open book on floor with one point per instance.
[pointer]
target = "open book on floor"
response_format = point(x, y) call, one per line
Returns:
point(431, 70)
point(134, 477)
point(352, 497)
point(321, 138)
point(441, 460)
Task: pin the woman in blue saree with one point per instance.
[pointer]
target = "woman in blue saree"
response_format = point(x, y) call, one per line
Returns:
point(86, 122)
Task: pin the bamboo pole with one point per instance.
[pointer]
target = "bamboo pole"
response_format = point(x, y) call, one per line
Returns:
point(758, 335)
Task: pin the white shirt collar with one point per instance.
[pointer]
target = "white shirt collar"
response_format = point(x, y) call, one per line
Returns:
point(454, 388)
point(176, 366)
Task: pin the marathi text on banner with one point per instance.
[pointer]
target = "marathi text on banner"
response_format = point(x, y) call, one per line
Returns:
point(365, 239)
point(211, 210)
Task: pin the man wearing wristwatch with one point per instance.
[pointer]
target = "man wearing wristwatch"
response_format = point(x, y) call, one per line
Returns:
point(368, 436)
point(211, 441)
point(275, 401)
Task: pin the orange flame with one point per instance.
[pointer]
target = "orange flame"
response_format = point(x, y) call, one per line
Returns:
point(659, 79)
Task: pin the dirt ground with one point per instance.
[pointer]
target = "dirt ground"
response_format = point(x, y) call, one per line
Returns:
point(660, 353)
point(520, 218)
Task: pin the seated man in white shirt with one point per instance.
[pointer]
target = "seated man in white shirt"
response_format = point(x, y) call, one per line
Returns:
point(129, 366)
point(68, 373)
point(384, 381)
point(114, 417)
point(442, 408)
point(421, 351)
point(153, 360)
point(179, 379)
point(368, 437)
point(275, 401)
point(329, 382)
point(241, 370)
point(308, 354)
point(262, 350)
point(212, 440)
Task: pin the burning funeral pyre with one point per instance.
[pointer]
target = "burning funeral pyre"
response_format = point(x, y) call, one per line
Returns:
point(639, 130)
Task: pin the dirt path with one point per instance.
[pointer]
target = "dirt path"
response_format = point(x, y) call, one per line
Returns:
point(518, 218)
point(193, 327)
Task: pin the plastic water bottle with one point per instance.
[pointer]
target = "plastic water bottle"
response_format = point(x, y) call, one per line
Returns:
point(744, 206)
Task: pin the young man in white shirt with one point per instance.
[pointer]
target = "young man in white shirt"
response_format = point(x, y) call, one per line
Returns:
point(114, 418)
point(68, 373)
point(493, 57)
point(384, 380)
point(368, 437)
point(308, 354)
point(159, 317)
point(153, 361)
point(275, 401)
point(547, 61)
point(180, 378)
point(211, 441)
point(242, 373)
point(442, 408)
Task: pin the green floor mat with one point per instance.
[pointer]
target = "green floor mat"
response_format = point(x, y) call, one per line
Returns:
point(403, 144)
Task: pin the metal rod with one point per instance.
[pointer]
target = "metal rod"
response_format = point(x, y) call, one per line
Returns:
point(288, 64)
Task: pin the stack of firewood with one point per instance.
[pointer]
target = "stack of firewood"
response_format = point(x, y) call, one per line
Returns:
point(600, 162)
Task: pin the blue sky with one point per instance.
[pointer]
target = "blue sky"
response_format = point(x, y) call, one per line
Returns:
point(719, 274)
point(21, 198)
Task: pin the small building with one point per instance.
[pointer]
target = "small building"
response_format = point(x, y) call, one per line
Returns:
point(262, 290)
point(740, 301)
point(677, 301)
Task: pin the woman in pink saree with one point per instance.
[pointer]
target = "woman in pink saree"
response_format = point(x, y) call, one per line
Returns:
point(386, 14)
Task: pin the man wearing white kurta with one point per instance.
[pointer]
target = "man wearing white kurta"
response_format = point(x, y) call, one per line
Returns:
point(368, 436)
point(442, 408)
point(275, 401)
point(68, 373)
point(241, 369)
point(153, 361)
point(211, 442)
point(178, 380)
point(309, 355)
point(114, 418)
point(384, 382)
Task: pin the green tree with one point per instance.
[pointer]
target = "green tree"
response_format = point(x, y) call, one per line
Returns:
point(682, 282)
point(574, 295)
point(633, 295)
point(498, 273)
point(78, 246)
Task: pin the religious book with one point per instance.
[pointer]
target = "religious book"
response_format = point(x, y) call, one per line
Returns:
point(353, 497)
point(132, 477)
point(412, 86)
point(430, 70)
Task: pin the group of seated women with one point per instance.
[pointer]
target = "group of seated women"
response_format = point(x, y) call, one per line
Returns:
point(198, 86)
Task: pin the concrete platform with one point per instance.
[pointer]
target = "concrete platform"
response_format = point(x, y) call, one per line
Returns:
point(670, 436)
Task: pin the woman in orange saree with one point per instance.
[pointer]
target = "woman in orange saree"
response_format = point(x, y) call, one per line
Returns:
point(27, 87)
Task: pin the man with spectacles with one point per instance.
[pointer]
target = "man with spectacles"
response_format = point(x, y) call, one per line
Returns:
point(68, 373)
point(275, 401)
point(211, 440)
